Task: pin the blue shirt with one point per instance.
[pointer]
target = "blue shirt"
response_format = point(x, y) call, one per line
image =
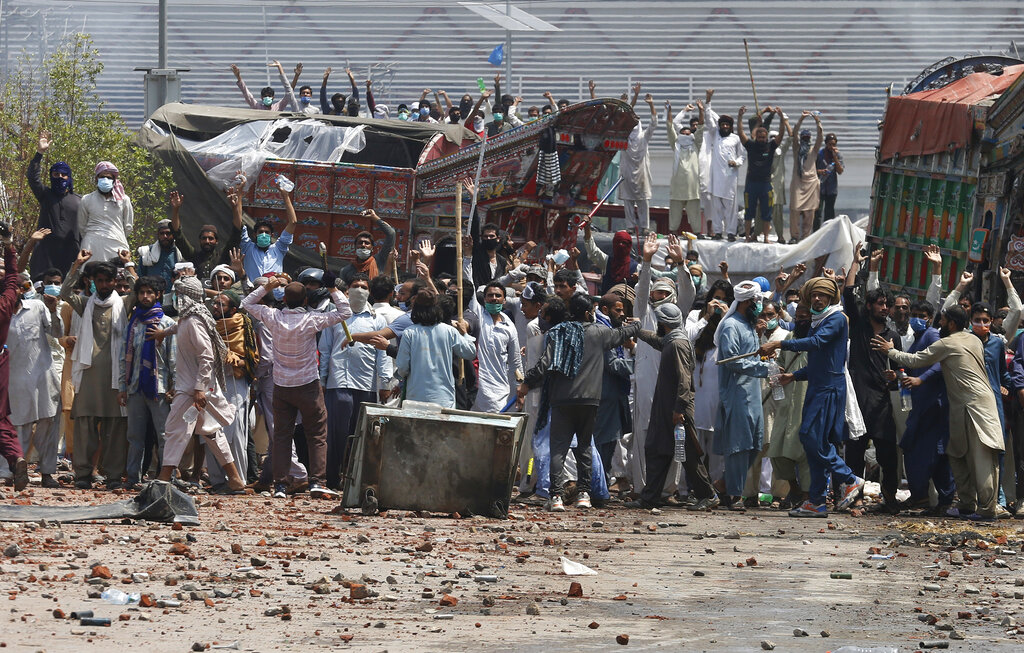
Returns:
point(400, 324)
point(258, 261)
point(356, 366)
point(425, 362)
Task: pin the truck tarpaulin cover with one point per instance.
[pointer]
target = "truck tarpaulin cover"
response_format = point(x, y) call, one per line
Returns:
point(935, 120)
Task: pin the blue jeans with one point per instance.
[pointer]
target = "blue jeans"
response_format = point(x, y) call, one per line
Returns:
point(141, 412)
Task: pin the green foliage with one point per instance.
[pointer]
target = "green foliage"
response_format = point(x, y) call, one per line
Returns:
point(59, 95)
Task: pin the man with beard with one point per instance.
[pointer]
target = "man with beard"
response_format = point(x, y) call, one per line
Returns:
point(147, 376)
point(365, 261)
point(635, 168)
point(757, 189)
point(824, 413)
point(726, 155)
point(160, 258)
point(672, 407)
point(873, 377)
point(96, 371)
point(975, 434)
point(211, 252)
point(613, 416)
point(739, 428)
point(241, 359)
point(58, 212)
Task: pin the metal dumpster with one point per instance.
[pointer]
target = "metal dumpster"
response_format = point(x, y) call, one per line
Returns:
point(424, 457)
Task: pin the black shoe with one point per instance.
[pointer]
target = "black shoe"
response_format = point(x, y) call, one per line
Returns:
point(704, 505)
point(48, 481)
point(84, 484)
point(20, 475)
point(732, 238)
point(638, 503)
point(793, 241)
point(114, 485)
point(717, 236)
point(280, 491)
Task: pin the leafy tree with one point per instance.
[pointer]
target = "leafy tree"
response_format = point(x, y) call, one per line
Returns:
point(59, 95)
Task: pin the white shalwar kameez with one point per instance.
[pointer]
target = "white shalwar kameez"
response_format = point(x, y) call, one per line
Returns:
point(635, 169)
point(722, 178)
point(500, 364)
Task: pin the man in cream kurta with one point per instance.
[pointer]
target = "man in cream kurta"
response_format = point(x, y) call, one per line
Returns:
point(684, 188)
point(975, 436)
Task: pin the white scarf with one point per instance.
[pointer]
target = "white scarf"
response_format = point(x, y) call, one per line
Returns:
point(742, 291)
point(833, 308)
point(81, 357)
point(149, 255)
point(684, 145)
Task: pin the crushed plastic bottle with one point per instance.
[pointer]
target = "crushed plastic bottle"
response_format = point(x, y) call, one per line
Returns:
point(117, 597)
point(284, 183)
point(774, 372)
point(866, 649)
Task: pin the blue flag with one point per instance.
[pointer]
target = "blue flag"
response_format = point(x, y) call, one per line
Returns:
point(497, 54)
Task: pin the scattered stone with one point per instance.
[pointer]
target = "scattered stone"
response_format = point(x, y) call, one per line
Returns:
point(825, 633)
point(767, 645)
point(532, 609)
point(448, 601)
point(932, 587)
point(622, 639)
point(198, 646)
point(698, 573)
point(594, 625)
point(358, 591)
point(13, 551)
point(958, 634)
point(1008, 622)
point(236, 548)
point(257, 561)
point(99, 571)
point(800, 632)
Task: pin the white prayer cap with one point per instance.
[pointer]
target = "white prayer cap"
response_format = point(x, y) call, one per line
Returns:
point(226, 269)
point(746, 290)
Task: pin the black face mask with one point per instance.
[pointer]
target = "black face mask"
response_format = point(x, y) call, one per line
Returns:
point(490, 245)
point(803, 327)
point(465, 107)
point(316, 296)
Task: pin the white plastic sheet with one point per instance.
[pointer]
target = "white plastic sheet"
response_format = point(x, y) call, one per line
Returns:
point(576, 569)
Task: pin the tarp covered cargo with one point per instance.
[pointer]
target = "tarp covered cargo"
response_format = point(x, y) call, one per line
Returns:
point(941, 119)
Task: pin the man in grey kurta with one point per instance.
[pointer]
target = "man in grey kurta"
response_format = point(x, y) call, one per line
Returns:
point(36, 399)
point(975, 434)
point(96, 359)
point(739, 429)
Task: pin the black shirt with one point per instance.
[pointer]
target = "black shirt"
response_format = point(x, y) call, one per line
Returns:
point(759, 160)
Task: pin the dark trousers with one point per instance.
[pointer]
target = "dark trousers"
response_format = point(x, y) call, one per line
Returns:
point(607, 451)
point(10, 446)
point(757, 196)
point(826, 210)
point(289, 402)
point(924, 463)
point(567, 420)
point(888, 459)
point(659, 463)
point(342, 414)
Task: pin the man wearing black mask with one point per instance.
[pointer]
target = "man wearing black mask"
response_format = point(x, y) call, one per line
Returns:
point(58, 212)
point(488, 263)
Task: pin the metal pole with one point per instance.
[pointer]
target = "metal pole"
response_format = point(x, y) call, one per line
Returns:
point(508, 51)
point(162, 39)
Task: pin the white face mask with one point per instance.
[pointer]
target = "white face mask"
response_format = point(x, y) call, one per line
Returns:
point(685, 141)
point(357, 298)
point(362, 253)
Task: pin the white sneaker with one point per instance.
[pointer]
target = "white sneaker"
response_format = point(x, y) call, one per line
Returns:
point(848, 493)
point(583, 501)
point(555, 504)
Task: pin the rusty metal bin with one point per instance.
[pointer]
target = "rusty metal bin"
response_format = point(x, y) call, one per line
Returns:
point(424, 457)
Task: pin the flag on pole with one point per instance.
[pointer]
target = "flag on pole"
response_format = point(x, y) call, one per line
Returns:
point(497, 55)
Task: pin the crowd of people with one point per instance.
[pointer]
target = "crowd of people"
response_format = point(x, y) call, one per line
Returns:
point(708, 151)
point(651, 385)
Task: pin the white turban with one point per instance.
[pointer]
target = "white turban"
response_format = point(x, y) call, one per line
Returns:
point(226, 269)
point(741, 292)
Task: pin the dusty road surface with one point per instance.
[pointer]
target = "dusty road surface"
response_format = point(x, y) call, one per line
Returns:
point(277, 575)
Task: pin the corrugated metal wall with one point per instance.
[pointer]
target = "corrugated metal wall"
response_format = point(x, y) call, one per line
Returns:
point(833, 56)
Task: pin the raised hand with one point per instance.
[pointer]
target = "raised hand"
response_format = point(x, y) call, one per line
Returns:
point(427, 250)
point(965, 279)
point(742, 110)
point(876, 258)
point(39, 234)
point(44, 142)
point(724, 268)
point(636, 88)
point(327, 73)
point(932, 255)
point(237, 261)
point(591, 85)
point(83, 256)
point(650, 247)
point(1004, 275)
point(237, 72)
point(298, 69)
point(675, 249)
point(858, 256)
point(176, 199)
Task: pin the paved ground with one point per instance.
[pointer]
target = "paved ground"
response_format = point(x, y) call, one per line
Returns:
point(674, 581)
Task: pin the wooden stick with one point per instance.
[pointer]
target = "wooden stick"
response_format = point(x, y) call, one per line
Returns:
point(458, 264)
point(757, 111)
point(736, 358)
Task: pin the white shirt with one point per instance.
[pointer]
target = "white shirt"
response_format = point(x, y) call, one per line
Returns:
point(722, 178)
point(355, 366)
point(635, 165)
point(35, 384)
point(497, 352)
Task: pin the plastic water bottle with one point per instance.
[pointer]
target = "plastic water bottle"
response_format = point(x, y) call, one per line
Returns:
point(774, 372)
point(866, 649)
point(480, 84)
point(117, 597)
point(284, 183)
point(906, 403)
point(680, 452)
point(191, 415)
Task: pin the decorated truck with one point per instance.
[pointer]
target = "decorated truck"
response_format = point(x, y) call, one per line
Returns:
point(405, 172)
point(930, 176)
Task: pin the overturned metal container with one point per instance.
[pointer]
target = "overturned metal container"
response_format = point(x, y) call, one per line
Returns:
point(424, 457)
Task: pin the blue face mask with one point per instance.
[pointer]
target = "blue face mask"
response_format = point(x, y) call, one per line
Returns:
point(817, 312)
point(758, 307)
point(105, 184)
point(279, 293)
point(918, 324)
point(493, 309)
point(791, 308)
point(267, 101)
point(304, 99)
point(696, 280)
point(51, 289)
point(263, 240)
point(403, 306)
point(92, 287)
point(773, 324)
point(29, 294)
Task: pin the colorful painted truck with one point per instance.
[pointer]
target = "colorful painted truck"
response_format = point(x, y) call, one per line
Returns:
point(927, 171)
point(406, 172)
